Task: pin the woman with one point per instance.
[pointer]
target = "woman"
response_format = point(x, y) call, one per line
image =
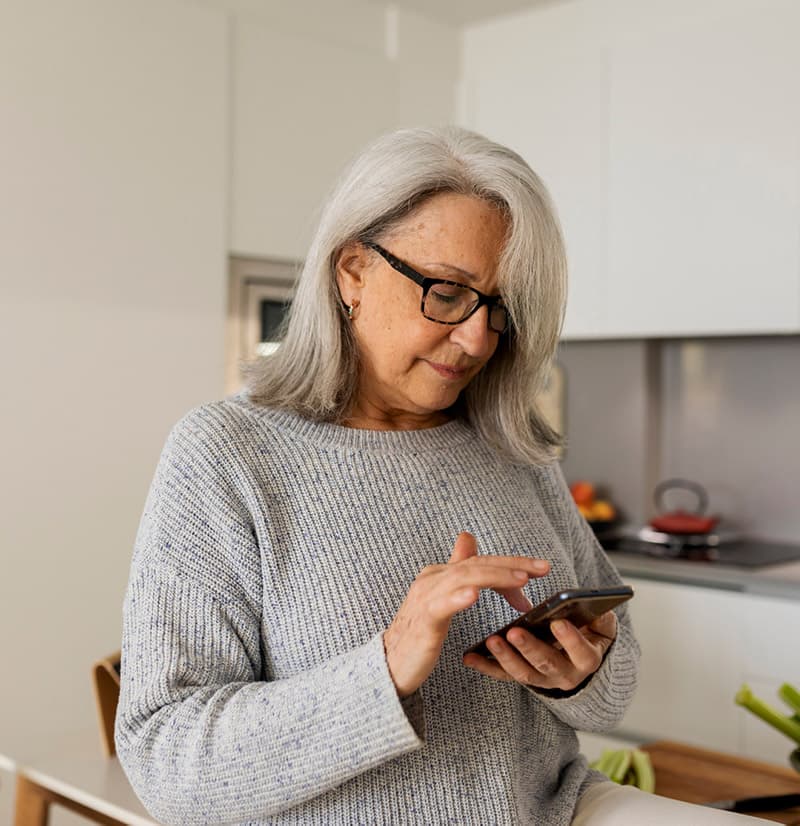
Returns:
point(317, 552)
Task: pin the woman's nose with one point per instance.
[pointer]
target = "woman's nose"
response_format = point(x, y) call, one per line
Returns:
point(474, 336)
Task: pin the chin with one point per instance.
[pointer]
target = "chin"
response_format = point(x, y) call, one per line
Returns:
point(440, 402)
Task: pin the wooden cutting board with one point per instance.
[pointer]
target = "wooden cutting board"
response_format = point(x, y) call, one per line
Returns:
point(701, 776)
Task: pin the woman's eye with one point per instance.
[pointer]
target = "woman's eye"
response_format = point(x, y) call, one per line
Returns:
point(446, 294)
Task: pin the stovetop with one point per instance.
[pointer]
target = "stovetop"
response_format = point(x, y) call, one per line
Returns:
point(741, 552)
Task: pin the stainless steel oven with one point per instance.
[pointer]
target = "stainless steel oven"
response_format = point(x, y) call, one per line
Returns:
point(259, 294)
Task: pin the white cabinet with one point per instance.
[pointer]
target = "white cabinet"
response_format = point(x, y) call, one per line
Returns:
point(670, 139)
point(698, 646)
point(305, 103)
point(692, 651)
point(704, 198)
point(301, 109)
point(539, 82)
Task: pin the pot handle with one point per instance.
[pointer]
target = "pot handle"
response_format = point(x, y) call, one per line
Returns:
point(686, 484)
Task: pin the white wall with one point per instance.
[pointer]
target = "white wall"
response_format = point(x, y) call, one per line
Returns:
point(112, 281)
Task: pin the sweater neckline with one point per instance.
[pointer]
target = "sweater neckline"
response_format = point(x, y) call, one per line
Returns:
point(339, 437)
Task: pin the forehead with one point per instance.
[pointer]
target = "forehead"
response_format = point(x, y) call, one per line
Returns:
point(452, 236)
point(448, 215)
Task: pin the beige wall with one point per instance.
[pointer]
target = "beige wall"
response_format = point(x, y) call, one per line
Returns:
point(112, 282)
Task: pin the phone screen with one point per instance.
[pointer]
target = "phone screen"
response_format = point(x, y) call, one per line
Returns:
point(579, 606)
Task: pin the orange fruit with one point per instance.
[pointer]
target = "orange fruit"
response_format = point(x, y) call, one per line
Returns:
point(602, 511)
point(582, 492)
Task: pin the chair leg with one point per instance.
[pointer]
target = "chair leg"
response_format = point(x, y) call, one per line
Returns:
point(32, 807)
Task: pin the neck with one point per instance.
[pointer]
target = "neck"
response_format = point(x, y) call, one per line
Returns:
point(366, 416)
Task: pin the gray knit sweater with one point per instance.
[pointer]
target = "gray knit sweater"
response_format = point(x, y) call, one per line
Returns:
point(272, 554)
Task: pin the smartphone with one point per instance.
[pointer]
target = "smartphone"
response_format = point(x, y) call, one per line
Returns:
point(578, 605)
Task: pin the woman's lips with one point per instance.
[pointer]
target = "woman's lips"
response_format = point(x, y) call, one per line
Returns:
point(449, 372)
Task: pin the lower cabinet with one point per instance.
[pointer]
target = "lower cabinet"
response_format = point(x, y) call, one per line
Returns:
point(698, 646)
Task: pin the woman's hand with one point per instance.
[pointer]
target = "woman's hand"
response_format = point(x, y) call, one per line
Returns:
point(414, 640)
point(523, 658)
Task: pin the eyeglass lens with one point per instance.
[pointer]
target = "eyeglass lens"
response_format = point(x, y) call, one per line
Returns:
point(451, 304)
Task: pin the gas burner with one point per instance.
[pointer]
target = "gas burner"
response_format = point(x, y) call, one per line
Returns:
point(682, 541)
point(703, 547)
point(730, 548)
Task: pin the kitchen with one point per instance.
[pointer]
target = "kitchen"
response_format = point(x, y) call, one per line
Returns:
point(668, 134)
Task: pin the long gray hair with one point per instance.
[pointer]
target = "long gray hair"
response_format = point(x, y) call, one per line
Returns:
point(315, 371)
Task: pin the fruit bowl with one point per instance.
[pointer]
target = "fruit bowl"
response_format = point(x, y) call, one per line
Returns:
point(602, 525)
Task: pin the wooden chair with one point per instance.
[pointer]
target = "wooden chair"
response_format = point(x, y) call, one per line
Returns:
point(105, 678)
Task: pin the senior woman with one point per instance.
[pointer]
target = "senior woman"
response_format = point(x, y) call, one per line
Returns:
point(317, 552)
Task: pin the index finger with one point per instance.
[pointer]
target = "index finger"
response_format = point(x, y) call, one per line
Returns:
point(534, 566)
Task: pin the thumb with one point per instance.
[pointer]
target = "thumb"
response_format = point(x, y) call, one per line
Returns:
point(465, 547)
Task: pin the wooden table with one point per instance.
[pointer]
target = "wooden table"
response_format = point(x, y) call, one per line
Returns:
point(71, 771)
point(701, 776)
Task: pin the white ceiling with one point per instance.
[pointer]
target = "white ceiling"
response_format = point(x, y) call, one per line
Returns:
point(465, 12)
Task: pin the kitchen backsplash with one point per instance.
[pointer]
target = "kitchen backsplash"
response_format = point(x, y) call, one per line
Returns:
point(723, 412)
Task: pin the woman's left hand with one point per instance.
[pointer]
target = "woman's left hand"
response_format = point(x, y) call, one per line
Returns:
point(523, 658)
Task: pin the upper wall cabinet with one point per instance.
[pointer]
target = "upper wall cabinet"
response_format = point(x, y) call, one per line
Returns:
point(704, 202)
point(540, 83)
point(671, 143)
point(305, 104)
point(301, 108)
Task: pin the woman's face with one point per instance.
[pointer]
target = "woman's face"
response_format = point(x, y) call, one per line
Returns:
point(413, 369)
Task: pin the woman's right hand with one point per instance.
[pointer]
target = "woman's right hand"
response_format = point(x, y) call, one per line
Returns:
point(414, 639)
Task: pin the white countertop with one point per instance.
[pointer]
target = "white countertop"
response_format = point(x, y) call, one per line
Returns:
point(782, 580)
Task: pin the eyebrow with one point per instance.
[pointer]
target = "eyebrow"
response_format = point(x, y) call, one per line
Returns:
point(455, 270)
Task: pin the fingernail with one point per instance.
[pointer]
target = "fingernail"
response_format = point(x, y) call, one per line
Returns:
point(541, 564)
point(559, 626)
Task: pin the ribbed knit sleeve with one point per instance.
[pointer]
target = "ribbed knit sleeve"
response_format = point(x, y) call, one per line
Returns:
point(601, 704)
point(203, 733)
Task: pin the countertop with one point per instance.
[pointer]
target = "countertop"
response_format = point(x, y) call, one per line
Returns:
point(781, 580)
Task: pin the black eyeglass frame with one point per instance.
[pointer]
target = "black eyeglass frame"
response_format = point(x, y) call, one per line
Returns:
point(426, 283)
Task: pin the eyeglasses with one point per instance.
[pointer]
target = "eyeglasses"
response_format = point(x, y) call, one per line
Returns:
point(448, 302)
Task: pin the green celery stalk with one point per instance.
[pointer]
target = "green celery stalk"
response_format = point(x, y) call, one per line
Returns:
point(605, 762)
point(789, 727)
point(643, 769)
point(791, 696)
point(622, 765)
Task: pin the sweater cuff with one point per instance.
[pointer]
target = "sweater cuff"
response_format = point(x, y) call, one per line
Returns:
point(599, 703)
point(414, 707)
point(404, 719)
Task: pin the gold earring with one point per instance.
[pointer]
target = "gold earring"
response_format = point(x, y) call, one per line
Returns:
point(353, 306)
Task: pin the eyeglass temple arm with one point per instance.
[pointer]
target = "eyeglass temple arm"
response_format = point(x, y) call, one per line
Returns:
point(397, 264)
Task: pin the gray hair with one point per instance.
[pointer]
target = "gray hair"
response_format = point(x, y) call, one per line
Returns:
point(315, 370)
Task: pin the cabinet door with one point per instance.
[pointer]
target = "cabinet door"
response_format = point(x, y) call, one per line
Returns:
point(771, 657)
point(692, 655)
point(538, 82)
point(704, 201)
point(302, 108)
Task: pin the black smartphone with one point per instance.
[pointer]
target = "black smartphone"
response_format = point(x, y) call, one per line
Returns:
point(578, 605)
